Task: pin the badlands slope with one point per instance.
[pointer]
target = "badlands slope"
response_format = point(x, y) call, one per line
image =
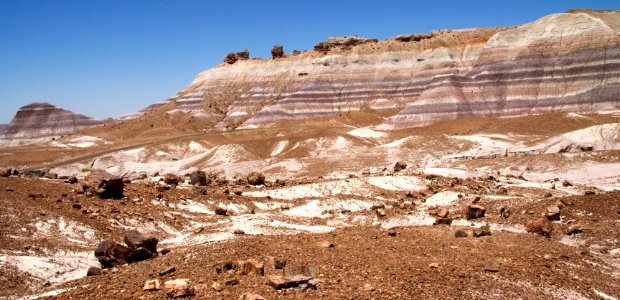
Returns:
point(519, 120)
point(559, 63)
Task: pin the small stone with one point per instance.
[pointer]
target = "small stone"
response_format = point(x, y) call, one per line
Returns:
point(368, 287)
point(231, 282)
point(380, 213)
point(93, 271)
point(548, 195)
point(152, 285)
point(326, 244)
point(76, 206)
point(553, 213)
point(250, 296)
point(392, 233)
point(238, 192)
point(433, 265)
point(504, 211)
point(164, 251)
point(474, 212)
point(574, 229)
point(443, 213)
point(216, 286)
point(399, 166)
point(589, 193)
point(238, 231)
point(481, 232)
point(460, 234)
point(221, 211)
point(167, 271)
point(253, 267)
point(178, 288)
point(443, 221)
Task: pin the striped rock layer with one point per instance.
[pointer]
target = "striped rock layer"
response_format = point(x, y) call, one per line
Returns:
point(42, 122)
point(561, 62)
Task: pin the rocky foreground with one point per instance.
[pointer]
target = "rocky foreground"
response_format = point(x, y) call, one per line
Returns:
point(397, 234)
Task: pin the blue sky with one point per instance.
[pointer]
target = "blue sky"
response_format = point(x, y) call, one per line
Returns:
point(105, 58)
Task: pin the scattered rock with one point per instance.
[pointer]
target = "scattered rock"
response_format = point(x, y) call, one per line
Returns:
point(342, 42)
point(412, 37)
point(434, 265)
point(230, 58)
point(164, 251)
point(231, 282)
point(105, 185)
point(553, 213)
point(142, 247)
point(326, 244)
point(171, 179)
point(589, 193)
point(221, 211)
point(238, 231)
point(110, 254)
point(482, 231)
point(279, 282)
point(5, 172)
point(71, 180)
point(243, 54)
point(167, 271)
point(93, 271)
point(547, 195)
point(368, 287)
point(540, 226)
point(443, 221)
point(256, 178)
point(277, 51)
point(178, 288)
point(460, 234)
point(250, 296)
point(399, 166)
point(216, 286)
point(504, 211)
point(574, 229)
point(474, 212)
point(198, 178)
point(380, 213)
point(252, 266)
point(294, 270)
point(152, 285)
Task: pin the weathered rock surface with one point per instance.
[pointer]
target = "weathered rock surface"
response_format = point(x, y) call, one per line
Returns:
point(42, 122)
point(561, 62)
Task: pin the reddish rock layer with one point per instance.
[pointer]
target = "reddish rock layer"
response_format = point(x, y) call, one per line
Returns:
point(561, 62)
point(41, 122)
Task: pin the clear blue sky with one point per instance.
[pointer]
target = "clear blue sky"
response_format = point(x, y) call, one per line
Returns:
point(108, 57)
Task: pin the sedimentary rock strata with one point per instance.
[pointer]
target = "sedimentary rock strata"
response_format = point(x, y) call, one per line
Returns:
point(561, 62)
point(41, 122)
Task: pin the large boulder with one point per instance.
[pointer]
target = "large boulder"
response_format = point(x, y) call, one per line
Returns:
point(230, 58)
point(540, 226)
point(199, 178)
point(105, 185)
point(171, 179)
point(277, 51)
point(256, 178)
point(111, 254)
point(141, 247)
point(243, 55)
point(475, 211)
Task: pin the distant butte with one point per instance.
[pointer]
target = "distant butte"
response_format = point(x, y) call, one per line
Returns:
point(41, 122)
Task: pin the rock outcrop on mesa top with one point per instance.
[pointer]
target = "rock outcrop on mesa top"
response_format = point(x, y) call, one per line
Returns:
point(562, 62)
point(42, 122)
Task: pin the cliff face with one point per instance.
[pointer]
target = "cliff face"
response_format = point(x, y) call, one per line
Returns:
point(41, 122)
point(2, 127)
point(561, 62)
